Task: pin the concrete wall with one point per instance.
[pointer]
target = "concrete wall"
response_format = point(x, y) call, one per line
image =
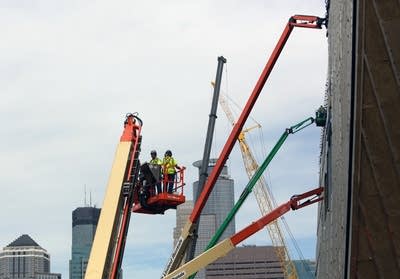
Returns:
point(359, 219)
point(331, 244)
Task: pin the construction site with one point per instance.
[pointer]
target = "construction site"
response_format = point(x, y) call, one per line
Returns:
point(356, 199)
point(358, 226)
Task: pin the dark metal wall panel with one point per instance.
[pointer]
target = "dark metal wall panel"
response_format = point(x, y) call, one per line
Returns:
point(370, 237)
point(375, 219)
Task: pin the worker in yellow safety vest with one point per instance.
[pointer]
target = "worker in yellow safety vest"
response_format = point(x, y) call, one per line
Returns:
point(169, 169)
point(156, 163)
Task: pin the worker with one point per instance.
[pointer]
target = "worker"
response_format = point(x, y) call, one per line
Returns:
point(169, 169)
point(156, 164)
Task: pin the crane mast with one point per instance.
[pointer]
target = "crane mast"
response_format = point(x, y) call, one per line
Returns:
point(207, 150)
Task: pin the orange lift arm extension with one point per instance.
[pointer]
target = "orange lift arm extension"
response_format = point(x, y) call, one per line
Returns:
point(185, 238)
point(228, 244)
point(109, 241)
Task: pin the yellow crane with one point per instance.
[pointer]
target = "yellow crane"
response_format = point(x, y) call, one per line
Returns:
point(263, 195)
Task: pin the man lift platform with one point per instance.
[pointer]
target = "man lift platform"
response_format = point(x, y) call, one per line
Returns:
point(127, 179)
point(145, 198)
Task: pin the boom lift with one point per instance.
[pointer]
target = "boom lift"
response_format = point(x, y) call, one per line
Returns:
point(288, 268)
point(303, 21)
point(228, 244)
point(261, 190)
point(109, 241)
point(126, 192)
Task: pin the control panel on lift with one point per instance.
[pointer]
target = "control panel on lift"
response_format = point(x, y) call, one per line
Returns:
point(151, 195)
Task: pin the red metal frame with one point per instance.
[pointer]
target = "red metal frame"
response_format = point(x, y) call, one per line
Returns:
point(315, 196)
point(294, 203)
point(164, 199)
point(306, 21)
point(179, 182)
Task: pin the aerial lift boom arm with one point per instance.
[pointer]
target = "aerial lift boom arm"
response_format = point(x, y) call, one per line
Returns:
point(109, 241)
point(250, 185)
point(183, 242)
point(228, 244)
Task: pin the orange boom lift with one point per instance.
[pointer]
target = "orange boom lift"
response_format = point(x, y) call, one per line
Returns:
point(188, 231)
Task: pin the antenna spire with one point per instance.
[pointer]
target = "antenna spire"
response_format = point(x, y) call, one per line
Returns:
point(84, 203)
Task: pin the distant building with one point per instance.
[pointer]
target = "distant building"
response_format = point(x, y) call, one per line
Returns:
point(84, 223)
point(247, 262)
point(25, 259)
point(217, 207)
point(183, 212)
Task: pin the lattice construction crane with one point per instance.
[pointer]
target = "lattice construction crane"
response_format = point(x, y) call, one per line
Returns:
point(265, 199)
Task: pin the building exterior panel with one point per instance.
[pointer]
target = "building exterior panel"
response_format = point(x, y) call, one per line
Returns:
point(358, 228)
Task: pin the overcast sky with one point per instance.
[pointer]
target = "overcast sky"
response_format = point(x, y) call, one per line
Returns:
point(71, 70)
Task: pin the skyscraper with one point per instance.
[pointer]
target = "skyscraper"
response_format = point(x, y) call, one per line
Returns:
point(24, 259)
point(217, 207)
point(183, 212)
point(84, 223)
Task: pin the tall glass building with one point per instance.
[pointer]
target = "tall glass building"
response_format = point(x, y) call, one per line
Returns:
point(24, 259)
point(218, 205)
point(84, 223)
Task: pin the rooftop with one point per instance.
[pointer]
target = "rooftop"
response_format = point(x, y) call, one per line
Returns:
point(23, 240)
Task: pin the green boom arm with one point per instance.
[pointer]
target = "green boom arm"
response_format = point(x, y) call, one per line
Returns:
point(250, 185)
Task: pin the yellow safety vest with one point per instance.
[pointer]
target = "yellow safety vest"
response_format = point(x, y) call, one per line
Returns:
point(169, 164)
point(156, 161)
